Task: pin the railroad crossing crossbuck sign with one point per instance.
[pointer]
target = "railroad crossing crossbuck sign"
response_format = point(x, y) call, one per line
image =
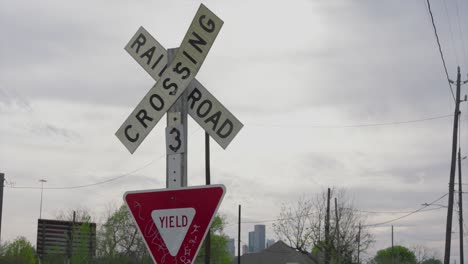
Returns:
point(172, 80)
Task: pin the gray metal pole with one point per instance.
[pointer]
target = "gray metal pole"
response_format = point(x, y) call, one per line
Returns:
point(359, 243)
point(337, 220)
point(460, 206)
point(208, 182)
point(448, 230)
point(42, 190)
point(327, 230)
point(393, 255)
point(176, 169)
point(239, 238)
point(2, 183)
point(207, 159)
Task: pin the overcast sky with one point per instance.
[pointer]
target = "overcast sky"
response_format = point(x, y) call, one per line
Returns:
point(302, 76)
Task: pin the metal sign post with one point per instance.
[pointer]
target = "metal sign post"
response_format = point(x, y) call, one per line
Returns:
point(176, 139)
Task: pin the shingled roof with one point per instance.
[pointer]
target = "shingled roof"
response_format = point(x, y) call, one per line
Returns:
point(278, 253)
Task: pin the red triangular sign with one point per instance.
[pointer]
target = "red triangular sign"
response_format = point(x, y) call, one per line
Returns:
point(174, 222)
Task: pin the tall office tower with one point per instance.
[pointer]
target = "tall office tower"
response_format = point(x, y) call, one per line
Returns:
point(231, 247)
point(251, 242)
point(259, 238)
point(245, 249)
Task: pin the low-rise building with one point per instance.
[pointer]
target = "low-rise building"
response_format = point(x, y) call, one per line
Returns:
point(278, 253)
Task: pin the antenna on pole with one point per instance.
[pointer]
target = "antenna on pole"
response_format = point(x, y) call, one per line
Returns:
point(42, 190)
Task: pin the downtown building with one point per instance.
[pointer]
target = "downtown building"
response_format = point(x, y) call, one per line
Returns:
point(257, 239)
point(231, 247)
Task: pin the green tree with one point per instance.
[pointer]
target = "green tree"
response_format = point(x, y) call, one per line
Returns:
point(20, 251)
point(400, 255)
point(119, 240)
point(432, 261)
point(81, 253)
point(219, 244)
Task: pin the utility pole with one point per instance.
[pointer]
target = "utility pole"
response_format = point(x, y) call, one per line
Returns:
point(327, 230)
point(358, 243)
point(460, 205)
point(393, 253)
point(448, 230)
point(2, 184)
point(337, 227)
point(239, 238)
point(208, 182)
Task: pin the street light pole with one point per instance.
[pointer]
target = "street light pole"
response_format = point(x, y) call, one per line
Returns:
point(42, 190)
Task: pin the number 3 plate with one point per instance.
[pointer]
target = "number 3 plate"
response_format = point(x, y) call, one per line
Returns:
point(175, 140)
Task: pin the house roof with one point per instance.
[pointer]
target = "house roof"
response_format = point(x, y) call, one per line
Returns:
point(278, 253)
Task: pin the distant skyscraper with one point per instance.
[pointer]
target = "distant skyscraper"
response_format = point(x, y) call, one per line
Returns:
point(245, 249)
point(231, 247)
point(259, 238)
point(270, 242)
point(251, 241)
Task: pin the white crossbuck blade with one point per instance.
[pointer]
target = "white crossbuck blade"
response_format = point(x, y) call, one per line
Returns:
point(172, 80)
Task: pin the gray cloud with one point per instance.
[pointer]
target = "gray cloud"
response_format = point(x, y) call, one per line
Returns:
point(49, 130)
point(11, 100)
point(293, 73)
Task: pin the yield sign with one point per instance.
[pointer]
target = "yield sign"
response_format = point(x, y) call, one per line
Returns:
point(174, 222)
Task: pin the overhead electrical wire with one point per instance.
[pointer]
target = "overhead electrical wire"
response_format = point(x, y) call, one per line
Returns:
point(454, 50)
point(399, 212)
point(91, 184)
point(440, 49)
point(461, 33)
point(96, 183)
point(151, 162)
point(362, 125)
point(406, 215)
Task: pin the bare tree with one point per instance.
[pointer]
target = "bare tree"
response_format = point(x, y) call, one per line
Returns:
point(81, 215)
point(302, 226)
point(296, 226)
point(353, 233)
point(118, 237)
point(423, 253)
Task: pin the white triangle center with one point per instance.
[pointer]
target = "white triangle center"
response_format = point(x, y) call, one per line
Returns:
point(173, 225)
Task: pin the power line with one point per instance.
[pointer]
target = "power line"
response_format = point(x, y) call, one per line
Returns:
point(454, 50)
point(400, 212)
point(11, 185)
point(91, 184)
point(363, 125)
point(440, 49)
point(406, 215)
point(461, 32)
